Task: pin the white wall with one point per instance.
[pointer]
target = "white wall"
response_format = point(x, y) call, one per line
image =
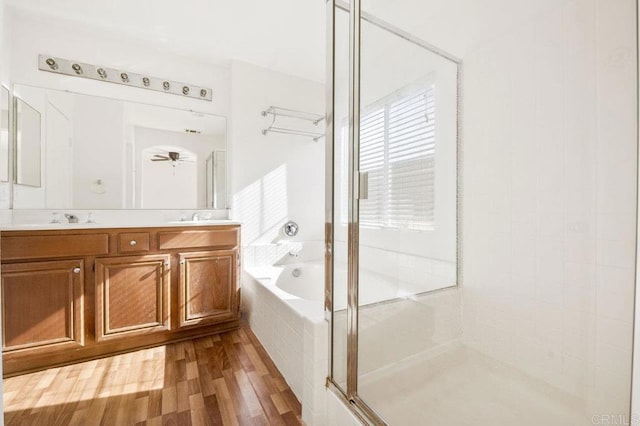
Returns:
point(31, 36)
point(275, 177)
point(550, 150)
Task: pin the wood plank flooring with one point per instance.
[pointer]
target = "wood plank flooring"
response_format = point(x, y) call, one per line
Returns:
point(226, 379)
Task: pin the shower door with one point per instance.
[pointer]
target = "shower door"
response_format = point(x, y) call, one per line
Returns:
point(404, 215)
point(392, 211)
point(481, 266)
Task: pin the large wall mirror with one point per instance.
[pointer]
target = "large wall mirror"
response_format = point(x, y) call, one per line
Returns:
point(103, 153)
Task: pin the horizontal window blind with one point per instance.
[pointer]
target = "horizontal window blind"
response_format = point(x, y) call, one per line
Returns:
point(397, 150)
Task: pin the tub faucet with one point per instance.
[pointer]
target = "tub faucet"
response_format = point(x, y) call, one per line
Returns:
point(72, 218)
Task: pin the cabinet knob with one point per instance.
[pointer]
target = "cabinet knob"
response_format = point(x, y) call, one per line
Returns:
point(133, 243)
point(76, 270)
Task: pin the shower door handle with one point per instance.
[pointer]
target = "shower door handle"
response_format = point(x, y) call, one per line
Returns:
point(363, 185)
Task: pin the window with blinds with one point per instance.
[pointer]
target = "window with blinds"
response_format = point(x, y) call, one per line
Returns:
point(397, 150)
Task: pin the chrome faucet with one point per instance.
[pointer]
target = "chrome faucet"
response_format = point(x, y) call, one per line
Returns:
point(72, 218)
point(55, 218)
point(195, 216)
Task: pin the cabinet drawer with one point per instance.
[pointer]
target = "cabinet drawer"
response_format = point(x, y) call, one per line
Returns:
point(133, 242)
point(41, 246)
point(227, 238)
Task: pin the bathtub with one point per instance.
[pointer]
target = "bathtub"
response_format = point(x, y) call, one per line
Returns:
point(304, 280)
point(283, 304)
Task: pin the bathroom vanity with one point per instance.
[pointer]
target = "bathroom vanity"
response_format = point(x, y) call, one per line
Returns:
point(76, 291)
point(81, 293)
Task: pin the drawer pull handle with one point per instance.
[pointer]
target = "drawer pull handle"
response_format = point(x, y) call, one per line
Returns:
point(132, 243)
point(76, 270)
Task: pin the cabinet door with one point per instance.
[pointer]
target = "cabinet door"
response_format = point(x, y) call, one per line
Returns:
point(208, 287)
point(42, 305)
point(132, 296)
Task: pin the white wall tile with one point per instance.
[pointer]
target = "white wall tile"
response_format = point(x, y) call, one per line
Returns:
point(567, 82)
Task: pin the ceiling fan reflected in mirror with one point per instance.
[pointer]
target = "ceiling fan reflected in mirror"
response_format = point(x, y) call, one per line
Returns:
point(173, 156)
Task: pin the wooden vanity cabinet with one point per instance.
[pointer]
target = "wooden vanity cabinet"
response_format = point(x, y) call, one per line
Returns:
point(74, 295)
point(206, 287)
point(42, 305)
point(132, 296)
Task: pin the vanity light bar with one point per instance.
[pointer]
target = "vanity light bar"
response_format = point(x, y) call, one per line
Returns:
point(93, 72)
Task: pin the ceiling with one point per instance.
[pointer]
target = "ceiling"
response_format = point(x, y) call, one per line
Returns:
point(283, 35)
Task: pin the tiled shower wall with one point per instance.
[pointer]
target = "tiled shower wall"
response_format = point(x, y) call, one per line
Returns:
point(549, 199)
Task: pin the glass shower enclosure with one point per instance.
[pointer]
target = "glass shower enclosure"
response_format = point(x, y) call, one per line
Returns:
point(481, 210)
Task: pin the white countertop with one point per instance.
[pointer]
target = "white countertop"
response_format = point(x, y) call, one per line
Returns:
point(150, 224)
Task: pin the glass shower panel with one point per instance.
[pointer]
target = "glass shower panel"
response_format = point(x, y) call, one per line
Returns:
point(407, 218)
point(340, 201)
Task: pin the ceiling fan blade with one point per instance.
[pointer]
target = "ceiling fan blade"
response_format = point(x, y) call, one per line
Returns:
point(160, 156)
point(159, 159)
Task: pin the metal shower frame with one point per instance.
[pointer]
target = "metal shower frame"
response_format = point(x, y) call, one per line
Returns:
point(356, 16)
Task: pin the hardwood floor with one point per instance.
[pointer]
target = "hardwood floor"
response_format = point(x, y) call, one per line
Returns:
point(226, 379)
